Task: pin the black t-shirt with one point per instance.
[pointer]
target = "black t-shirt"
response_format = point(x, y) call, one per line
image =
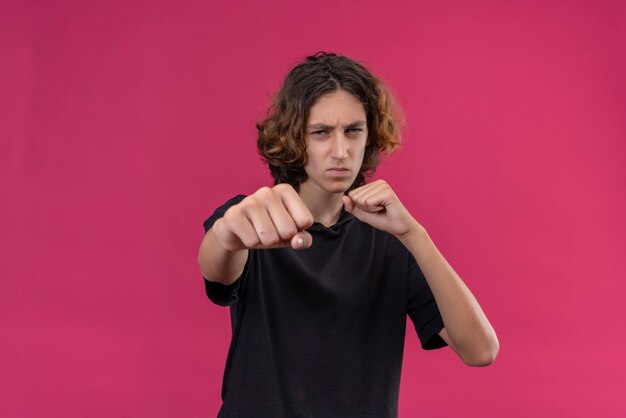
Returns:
point(320, 332)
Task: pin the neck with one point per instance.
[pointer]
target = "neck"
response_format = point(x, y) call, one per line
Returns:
point(324, 206)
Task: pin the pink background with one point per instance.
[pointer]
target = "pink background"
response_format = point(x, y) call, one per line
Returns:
point(122, 126)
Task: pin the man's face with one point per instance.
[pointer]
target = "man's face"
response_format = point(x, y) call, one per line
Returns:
point(336, 135)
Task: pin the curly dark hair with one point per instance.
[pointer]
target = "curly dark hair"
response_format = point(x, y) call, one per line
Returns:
point(281, 140)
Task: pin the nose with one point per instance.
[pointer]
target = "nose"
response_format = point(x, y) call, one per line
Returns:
point(339, 147)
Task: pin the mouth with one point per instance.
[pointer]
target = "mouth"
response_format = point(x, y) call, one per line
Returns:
point(338, 171)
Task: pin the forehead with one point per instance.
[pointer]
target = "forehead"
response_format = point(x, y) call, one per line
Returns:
point(338, 105)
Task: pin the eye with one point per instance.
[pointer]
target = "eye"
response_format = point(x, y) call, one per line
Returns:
point(319, 133)
point(354, 131)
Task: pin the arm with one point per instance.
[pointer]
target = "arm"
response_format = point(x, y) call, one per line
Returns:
point(269, 218)
point(216, 262)
point(466, 328)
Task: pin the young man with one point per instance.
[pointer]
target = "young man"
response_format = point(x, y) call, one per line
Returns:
point(321, 270)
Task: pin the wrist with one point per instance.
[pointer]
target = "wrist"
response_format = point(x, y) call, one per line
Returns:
point(418, 242)
point(415, 231)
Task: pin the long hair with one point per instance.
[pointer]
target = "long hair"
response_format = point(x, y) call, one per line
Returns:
point(281, 136)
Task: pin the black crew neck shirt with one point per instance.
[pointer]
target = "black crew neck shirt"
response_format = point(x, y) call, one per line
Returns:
point(320, 332)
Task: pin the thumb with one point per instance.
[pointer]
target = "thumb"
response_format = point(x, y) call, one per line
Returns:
point(302, 240)
point(351, 208)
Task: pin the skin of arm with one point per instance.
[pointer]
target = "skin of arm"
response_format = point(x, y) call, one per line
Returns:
point(216, 262)
point(466, 327)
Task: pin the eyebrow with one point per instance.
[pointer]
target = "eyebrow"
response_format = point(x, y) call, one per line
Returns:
point(357, 124)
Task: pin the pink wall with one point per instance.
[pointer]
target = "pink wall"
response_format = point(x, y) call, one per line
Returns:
point(123, 126)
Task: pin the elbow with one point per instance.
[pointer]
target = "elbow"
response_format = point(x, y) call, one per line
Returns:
point(482, 360)
point(485, 356)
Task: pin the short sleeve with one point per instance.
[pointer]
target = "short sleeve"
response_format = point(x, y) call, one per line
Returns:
point(422, 308)
point(218, 293)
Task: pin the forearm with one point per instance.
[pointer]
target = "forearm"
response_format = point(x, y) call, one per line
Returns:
point(217, 263)
point(472, 336)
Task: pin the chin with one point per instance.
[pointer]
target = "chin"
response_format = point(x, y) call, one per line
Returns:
point(334, 186)
point(339, 187)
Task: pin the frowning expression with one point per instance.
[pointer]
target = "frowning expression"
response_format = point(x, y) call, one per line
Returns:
point(336, 135)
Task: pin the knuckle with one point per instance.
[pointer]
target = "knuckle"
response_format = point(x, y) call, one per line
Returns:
point(282, 186)
point(261, 194)
point(232, 213)
point(263, 191)
point(267, 195)
point(222, 224)
point(252, 203)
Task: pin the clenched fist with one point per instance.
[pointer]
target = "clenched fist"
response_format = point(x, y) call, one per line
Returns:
point(270, 218)
point(377, 204)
